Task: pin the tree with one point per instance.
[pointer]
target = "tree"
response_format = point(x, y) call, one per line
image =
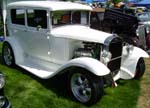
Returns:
point(116, 1)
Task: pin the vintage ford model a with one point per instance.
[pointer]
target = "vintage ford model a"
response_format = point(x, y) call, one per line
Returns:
point(49, 38)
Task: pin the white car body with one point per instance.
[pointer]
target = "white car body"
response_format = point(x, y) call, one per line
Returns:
point(41, 56)
point(49, 49)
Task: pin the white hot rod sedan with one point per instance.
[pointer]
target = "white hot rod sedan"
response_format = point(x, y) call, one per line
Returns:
point(50, 37)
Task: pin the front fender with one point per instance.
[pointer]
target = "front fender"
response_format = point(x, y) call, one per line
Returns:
point(130, 60)
point(92, 65)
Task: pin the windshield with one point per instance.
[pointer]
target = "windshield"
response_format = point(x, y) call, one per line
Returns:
point(143, 16)
point(60, 18)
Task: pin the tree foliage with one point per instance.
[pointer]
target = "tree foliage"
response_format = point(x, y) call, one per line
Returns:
point(116, 1)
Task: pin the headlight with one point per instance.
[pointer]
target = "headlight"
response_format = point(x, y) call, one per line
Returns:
point(137, 32)
point(2, 101)
point(2, 80)
point(129, 48)
point(147, 30)
point(106, 56)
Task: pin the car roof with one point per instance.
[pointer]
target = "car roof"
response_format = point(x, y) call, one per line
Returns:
point(51, 5)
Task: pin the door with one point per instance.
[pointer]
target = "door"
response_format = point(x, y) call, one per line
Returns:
point(17, 26)
point(37, 39)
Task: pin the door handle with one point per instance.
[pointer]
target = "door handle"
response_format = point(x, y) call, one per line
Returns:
point(38, 28)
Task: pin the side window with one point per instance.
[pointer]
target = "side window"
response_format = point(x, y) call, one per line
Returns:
point(76, 17)
point(18, 16)
point(37, 18)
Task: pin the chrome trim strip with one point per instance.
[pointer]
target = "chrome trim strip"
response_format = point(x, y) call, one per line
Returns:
point(108, 40)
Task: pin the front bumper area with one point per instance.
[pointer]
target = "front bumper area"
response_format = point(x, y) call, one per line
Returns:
point(109, 81)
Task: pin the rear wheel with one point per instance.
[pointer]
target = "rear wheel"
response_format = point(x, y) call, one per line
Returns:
point(85, 87)
point(8, 55)
point(140, 69)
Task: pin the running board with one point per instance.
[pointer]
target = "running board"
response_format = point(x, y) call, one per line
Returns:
point(37, 70)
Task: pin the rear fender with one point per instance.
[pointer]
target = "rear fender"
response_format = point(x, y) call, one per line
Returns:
point(17, 50)
point(92, 65)
point(130, 60)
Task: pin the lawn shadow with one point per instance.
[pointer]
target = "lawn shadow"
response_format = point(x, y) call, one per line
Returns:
point(56, 84)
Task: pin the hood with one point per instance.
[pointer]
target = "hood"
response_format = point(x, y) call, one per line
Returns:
point(79, 32)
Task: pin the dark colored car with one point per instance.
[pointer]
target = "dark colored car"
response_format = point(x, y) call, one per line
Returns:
point(124, 23)
point(4, 102)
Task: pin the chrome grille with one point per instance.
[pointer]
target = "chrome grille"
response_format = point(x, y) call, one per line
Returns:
point(115, 47)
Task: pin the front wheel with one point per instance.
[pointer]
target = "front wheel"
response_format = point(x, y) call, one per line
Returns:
point(8, 55)
point(140, 69)
point(85, 87)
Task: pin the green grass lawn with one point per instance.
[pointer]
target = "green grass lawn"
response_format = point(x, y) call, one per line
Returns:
point(27, 91)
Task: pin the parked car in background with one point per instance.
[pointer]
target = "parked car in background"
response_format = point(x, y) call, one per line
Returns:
point(132, 27)
point(143, 30)
point(48, 38)
point(4, 103)
point(144, 20)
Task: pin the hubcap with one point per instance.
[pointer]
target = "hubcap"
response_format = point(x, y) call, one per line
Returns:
point(7, 55)
point(80, 87)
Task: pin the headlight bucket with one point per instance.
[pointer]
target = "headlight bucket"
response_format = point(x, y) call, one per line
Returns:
point(106, 56)
point(2, 81)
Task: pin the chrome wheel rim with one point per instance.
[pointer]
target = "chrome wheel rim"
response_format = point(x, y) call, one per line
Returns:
point(7, 55)
point(80, 87)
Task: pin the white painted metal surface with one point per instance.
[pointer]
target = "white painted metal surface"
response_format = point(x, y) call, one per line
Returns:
point(129, 61)
point(47, 70)
point(51, 5)
point(80, 33)
point(90, 64)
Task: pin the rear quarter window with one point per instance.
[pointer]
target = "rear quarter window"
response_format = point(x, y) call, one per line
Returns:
point(18, 16)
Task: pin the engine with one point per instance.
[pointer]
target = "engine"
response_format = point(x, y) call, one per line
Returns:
point(89, 50)
point(109, 54)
